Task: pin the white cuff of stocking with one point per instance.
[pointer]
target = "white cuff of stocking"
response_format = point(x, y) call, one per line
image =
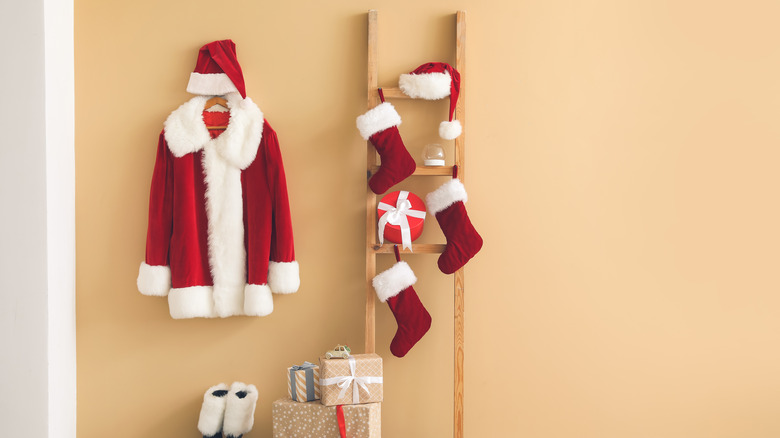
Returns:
point(394, 280)
point(378, 119)
point(447, 194)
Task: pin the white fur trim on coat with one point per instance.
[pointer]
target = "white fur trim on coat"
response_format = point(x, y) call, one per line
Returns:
point(191, 302)
point(378, 119)
point(258, 300)
point(154, 280)
point(229, 300)
point(240, 411)
point(394, 280)
point(429, 86)
point(223, 159)
point(284, 277)
point(225, 213)
point(450, 130)
point(212, 411)
point(447, 194)
point(185, 131)
point(210, 84)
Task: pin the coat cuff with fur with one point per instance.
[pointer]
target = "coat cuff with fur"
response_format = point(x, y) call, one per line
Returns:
point(283, 277)
point(154, 280)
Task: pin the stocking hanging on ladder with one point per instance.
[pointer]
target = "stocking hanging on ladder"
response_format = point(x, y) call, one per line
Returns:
point(379, 125)
point(447, 203)
point(394, 286)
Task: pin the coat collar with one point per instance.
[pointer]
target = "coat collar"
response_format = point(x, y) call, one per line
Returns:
point(185, 131)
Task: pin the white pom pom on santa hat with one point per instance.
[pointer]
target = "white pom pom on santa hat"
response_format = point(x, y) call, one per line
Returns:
point(434, 81)
point(450, 130)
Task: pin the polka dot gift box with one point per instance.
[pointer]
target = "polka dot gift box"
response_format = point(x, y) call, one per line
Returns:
point(292, 419)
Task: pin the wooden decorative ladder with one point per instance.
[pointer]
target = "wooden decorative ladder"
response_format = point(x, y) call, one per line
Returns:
point(373, 247)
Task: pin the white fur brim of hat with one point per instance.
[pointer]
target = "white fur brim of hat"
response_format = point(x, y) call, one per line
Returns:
point(210, 84)
point(394, 280)
point(378, 119)
point(447, 194)
point(212, 412)
point(429, 86)
point(432, 86)
point(240, 411)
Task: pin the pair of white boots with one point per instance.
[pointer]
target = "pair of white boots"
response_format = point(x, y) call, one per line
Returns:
point(228, 412)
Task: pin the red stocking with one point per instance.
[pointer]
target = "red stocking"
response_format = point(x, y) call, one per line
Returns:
point(380, 126)
point(463, 241)
point(395, 287)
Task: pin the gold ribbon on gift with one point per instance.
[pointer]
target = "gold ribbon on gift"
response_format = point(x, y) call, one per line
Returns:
point(343, 382)
point(398, 216)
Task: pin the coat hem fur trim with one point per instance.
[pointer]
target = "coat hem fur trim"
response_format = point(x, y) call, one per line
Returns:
point(191, 302)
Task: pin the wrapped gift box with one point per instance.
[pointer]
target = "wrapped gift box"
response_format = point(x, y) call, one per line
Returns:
point(401, 217)
point(357, 379)
point(305, 420)
point(303, 382)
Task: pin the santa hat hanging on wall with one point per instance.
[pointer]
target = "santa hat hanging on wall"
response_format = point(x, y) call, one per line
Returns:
point(434, 81)
point(217, 71)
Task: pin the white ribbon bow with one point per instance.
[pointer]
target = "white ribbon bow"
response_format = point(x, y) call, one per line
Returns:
point(398, 215)
point(343, 382)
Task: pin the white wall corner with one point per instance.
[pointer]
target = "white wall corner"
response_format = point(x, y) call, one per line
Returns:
point(61, 216)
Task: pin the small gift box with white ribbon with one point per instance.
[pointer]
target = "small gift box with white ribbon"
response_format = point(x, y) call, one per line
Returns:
point(401, 218)
point(303, 382)
point(357, 379)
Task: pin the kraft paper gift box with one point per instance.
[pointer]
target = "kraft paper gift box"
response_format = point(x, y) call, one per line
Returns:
point(313, 419)
point(303, 382)
point(357, 379)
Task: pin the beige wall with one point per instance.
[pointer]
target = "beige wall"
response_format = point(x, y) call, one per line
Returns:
point(622, 169)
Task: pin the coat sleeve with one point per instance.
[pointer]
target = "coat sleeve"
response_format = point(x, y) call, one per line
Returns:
point(283, 272)
point(154, 275)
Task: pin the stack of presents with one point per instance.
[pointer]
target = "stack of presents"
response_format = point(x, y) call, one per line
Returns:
point(339, 398)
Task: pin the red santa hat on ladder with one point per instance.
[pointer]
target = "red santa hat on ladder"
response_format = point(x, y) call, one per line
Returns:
point(434, 81)
point(217, 71)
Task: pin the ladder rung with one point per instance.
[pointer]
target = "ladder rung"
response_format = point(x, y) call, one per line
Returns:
point(418, 248)
point(425, 170)
point(394, 93)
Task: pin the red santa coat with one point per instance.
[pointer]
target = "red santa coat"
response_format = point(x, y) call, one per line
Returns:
point(219, 240)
